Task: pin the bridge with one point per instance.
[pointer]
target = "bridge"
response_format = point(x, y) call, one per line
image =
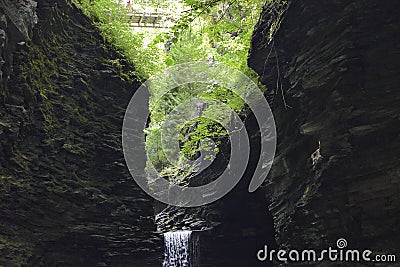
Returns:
point(150, 20)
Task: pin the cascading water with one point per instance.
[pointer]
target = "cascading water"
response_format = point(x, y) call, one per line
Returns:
point(181, 249)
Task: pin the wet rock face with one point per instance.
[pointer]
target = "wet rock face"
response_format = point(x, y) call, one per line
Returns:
point(66, 197)
point(336, 67)
point(17, 19)
point(234, 228)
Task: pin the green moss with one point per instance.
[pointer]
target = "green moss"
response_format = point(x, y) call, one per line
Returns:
point(220, 30)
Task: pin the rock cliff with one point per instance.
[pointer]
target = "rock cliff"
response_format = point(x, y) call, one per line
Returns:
point(17, 20)
point(66, 197)
point(332, 71)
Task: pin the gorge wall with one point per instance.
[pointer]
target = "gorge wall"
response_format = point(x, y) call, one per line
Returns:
point(332, 71)
point(66, 197)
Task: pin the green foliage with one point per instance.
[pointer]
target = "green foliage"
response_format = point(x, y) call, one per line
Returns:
point(216, 30)
point(138, 48)
point(205, 128)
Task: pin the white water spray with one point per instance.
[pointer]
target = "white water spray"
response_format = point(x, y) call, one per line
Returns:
point(181, 249)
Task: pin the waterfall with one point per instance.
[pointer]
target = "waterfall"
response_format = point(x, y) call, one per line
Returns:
point(181, 249)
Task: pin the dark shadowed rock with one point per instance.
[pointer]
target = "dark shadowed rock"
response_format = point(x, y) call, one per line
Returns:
point(332, 70)
point(66, 196)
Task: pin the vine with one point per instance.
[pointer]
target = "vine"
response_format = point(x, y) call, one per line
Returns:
point(213, 30)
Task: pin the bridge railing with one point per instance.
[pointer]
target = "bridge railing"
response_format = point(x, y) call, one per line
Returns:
point(151, 20)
